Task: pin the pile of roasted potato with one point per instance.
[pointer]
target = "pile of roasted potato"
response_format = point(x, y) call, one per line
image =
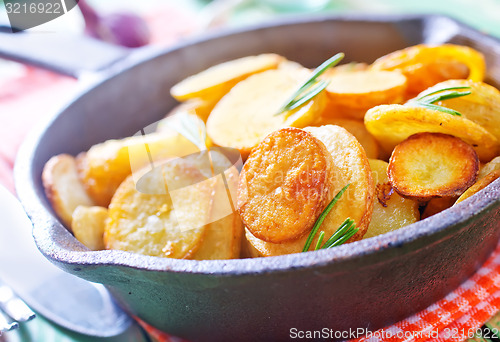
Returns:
point(179, 193)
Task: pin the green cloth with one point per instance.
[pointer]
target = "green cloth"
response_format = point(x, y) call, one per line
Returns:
point(40, 330)
point(483, 15)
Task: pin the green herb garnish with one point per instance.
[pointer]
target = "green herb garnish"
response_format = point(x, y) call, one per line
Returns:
point(320, 240)
point(428, 100)
point(311, 87)
point(341, 235)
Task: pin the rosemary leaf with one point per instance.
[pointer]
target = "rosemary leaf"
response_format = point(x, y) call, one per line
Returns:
point(321, 218)
point(350, 233)
point(332, 61)
point(438, 108)
point(320, 240)
point(428, 100)
point(316, 89)
point(440, 90)
point(339, 233)
point(445, 95)
point(312, 80)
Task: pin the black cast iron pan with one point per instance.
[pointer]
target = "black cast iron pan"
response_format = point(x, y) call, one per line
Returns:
point(368, 284)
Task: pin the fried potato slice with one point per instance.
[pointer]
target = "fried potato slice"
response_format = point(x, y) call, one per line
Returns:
point(286, 64)
point(426, 65)
point(391, 124)
point(479, 185)
point(350, 167)
point(213, 83)
point(358, 129)
point(344, 68)
point(390, 210)
point(183, 108)
point(489, 167)
point(428, 165)
point(284, 185)
point(63, 188)
point(88, 226)
point(437, 205)
point(222, 239)
point(166, 225)
point(247, 249)
point(104, 167)
point(224, 231)
point(248, 113)
point(482, 106)
point(351, 94)
point(191, 107)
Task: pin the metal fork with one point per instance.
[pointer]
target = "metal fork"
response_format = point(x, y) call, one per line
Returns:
point(12, 310)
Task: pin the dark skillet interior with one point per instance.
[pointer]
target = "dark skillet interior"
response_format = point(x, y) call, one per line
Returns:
point(434, 255)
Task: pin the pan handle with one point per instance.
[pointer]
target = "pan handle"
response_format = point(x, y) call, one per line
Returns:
point(66, 54)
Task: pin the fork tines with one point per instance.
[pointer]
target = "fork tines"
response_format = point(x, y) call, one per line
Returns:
point(12, 309)
point(7, 323)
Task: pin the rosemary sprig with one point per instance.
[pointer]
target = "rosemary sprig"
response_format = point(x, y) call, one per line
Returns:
point(311, 87)
point(315, 89)
point(342, 234)
point(428, 100)
point(320, 240)
point(338, 237)
point(425, 96)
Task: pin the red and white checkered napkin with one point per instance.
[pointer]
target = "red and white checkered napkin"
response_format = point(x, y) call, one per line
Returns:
point(456, 317)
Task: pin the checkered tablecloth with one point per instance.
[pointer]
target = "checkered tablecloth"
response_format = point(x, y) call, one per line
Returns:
point(456, 317)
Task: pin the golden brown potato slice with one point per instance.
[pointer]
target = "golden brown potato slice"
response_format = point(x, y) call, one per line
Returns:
point(183, 108)
point(343, 68)
point(428, 165)
point(211, 84)
point(223, 234)
point(166, 225)
point(482, 106)
point(248, 112)
point(437, 205)
point(489, 167)
point(261, 248)
point(479, 185)
point(422, 76)
point(390, 210)
point(247, 249)
point(284, 185)
point(285, 64)
point(358, 129)
point(106, 165)
point(222, 239)
point(353, 93)
point(63, 188)
point(391, 124)
point(426, 65)
point(191, 107)
point(350, 167)
point(88, 226)
point(182, 120)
